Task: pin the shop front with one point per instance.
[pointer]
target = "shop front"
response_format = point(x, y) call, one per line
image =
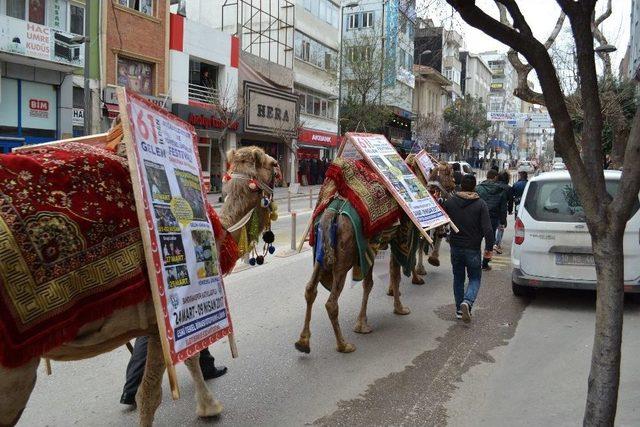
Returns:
point(315, 154)
point(209, 130)
point(28, 113)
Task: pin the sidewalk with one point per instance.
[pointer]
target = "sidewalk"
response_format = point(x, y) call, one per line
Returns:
point(279, 194)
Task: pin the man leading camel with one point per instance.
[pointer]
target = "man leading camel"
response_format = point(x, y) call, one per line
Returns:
point(470, 213)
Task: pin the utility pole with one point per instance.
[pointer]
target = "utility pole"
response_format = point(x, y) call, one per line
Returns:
point(87, 68)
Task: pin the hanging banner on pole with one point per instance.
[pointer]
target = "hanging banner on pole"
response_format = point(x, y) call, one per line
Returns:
point(401, 182)
point(180, 249)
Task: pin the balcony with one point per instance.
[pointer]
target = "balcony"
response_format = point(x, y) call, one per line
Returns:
point(203, 94)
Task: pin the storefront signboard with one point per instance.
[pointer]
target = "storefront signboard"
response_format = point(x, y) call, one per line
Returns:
point(269, 110)
point(401, 182)
point(21, 37)
point(77, 117)
point(180, 248)
point(38, 106)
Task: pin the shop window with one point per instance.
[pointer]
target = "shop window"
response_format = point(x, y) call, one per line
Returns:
point(144, 6)
point(136, 75)
point(76, 24)
point(204, 152)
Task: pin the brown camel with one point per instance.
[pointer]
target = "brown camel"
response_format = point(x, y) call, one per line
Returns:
point(344, 256)
point(111, 332)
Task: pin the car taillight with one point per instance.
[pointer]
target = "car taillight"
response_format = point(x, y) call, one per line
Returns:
point(519, 236)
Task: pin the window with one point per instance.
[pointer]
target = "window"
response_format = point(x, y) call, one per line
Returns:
point(16, 9)
point(76, 21)
point(313, 52)
point(359, 53)
point(360, 20)
point(135, 75)
point(37, 11)
point(203, 74)
point(144, 6)
point(324, 10)
point(315, 103)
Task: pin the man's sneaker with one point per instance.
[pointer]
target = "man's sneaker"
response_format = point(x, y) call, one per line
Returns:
point(486, 267)
point(466, 312)
point(498, 249)
point(458, 314)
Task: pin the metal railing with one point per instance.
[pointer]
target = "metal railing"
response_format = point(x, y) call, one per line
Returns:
point(208, 95)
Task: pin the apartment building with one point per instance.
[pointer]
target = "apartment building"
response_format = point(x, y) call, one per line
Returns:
point(41, 48)
point(475, 79)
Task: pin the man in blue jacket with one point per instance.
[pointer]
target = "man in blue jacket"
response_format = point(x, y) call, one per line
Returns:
point(471, 215)
point(495, 196)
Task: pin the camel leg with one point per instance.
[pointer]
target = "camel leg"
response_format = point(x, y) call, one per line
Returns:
point(310, 293)
point(394, 273)
point(362, 327)
point(434, 257)
point(149, 394)
point(206, 405)
point(332, 310)
point(16, 385)
point(420, 267)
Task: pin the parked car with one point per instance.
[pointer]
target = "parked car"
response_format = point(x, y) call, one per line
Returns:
point(552, 245)
point(525, 166)
point(466, 167)
point(559, 166)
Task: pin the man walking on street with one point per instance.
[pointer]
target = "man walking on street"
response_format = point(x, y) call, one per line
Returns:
point(495, 196)
point(471, 216)
point(518, 188)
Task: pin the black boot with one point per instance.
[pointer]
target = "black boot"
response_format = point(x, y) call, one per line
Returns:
point(208, 366)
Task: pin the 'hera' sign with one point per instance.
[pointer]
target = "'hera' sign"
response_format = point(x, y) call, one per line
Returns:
point(270, 110)
point(180, 248)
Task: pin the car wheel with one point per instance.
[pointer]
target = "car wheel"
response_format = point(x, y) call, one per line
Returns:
point(522, 291)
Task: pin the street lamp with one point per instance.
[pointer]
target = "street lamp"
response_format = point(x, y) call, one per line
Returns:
point(350, 5)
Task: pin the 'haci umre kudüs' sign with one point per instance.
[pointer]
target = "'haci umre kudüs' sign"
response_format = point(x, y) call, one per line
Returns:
point(180, 247)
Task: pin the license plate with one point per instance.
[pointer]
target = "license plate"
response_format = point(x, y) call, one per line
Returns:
point(574, 259)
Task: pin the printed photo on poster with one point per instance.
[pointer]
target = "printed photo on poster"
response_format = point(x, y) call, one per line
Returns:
point(165, 220)
point(172, 249)
point(206, 257)
point(415, 187)
point(397, 184)
point(398, 165)
point(177, 276)
point(191, 191)
point(158, 182)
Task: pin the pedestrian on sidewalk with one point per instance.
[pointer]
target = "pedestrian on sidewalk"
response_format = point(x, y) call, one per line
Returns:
point(518, 188)
point(503, 180)
point(471, 215)
point(457, 175)
point(135, 369)
point(495, 196)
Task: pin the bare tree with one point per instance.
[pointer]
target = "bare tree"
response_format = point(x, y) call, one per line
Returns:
point(606, 214)
point(228, 108)
point(427, 129)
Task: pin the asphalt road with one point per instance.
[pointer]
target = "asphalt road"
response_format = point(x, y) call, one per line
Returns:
point(517, 363)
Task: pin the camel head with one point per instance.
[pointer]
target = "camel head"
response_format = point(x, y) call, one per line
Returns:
point(443, 173)
point(249, 181)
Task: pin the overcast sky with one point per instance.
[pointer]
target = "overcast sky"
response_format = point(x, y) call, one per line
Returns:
point(541, 16)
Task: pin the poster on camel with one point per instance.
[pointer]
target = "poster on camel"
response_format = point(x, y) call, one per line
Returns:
point(401, 182)
point(180, 248)
point(425, 162)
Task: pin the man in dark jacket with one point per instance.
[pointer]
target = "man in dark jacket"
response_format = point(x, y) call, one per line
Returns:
point(495, 197)
point(471, 215)
point(457, 175)
point(518, 187)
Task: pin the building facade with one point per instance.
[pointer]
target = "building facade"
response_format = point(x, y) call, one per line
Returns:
point(203, 87)
point(134, 53)
point(41, 48)
point(316, 46)
point(389, 25)
point(430, 98)
point(476, 76)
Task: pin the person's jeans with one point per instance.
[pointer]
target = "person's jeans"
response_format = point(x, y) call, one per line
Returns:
point(499, 234)
point(465, 262)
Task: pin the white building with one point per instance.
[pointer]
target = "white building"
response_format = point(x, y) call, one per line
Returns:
point(204, 76)
point(316, 46)
point(634, 40)
point(476, 77)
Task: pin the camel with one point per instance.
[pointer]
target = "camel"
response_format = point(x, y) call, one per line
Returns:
point(440, 184)
point(248, 165)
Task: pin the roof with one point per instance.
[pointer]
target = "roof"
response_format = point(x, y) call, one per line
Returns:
point(564, 174)
point(430, 73)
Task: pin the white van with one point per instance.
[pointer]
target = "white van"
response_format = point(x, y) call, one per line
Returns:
point(552, 245)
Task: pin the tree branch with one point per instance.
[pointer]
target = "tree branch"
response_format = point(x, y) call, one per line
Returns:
point(604, 16)
point(519, 22)
point(630, 181)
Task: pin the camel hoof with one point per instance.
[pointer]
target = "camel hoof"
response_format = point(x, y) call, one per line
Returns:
point(347, 348)
point(211, 410)
point(434, 261)
point(421, 271)
point(417, 280)
point(303, 347)
point(362, 328)
point(403, 311)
